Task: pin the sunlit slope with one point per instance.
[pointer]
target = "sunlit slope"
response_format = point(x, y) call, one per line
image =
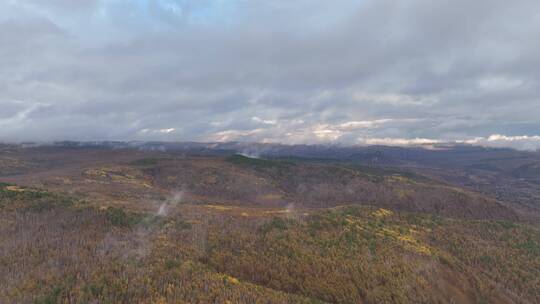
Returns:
point(58, 248)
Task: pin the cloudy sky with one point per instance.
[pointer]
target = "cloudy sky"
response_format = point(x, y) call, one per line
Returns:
point(291, 71)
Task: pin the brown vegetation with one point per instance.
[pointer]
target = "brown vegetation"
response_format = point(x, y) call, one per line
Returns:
point(104, 226)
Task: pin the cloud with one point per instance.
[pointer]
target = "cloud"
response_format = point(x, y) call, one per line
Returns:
point(264, 121)
point(522, 142)
point(276, 71)
point(294, 131)
point(398, 141)
point(233, 135)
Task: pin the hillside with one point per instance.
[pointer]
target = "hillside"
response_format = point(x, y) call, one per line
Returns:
point(123, 225)
point(134, 178)
point(60, 249)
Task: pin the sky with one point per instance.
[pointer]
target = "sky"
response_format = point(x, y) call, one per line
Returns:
point(290, 71)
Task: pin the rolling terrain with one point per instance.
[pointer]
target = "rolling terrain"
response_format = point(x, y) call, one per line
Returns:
point(202, 223)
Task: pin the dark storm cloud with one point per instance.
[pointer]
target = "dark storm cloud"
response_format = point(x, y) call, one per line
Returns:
point(290, 71)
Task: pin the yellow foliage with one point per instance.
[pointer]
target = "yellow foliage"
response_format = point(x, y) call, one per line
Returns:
point(232, 280)
point(118, 174)
point(382, 212)
point(16, 189)
point(218, 207)
point(271, 197)
point(277, 211)
point(399, 178)
point(161, 300)
point(407, 240)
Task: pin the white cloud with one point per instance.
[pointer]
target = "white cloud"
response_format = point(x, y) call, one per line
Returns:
point(294, 131)
point(157, 131)
point(398, 141)
point(522, 142)
point(234, 135)
point(264, 121)
point(327, 134)
point(353, 125)
point(394, 99)
point(166, 131)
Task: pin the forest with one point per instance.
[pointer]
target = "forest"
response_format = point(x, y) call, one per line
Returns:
point(124, 226)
